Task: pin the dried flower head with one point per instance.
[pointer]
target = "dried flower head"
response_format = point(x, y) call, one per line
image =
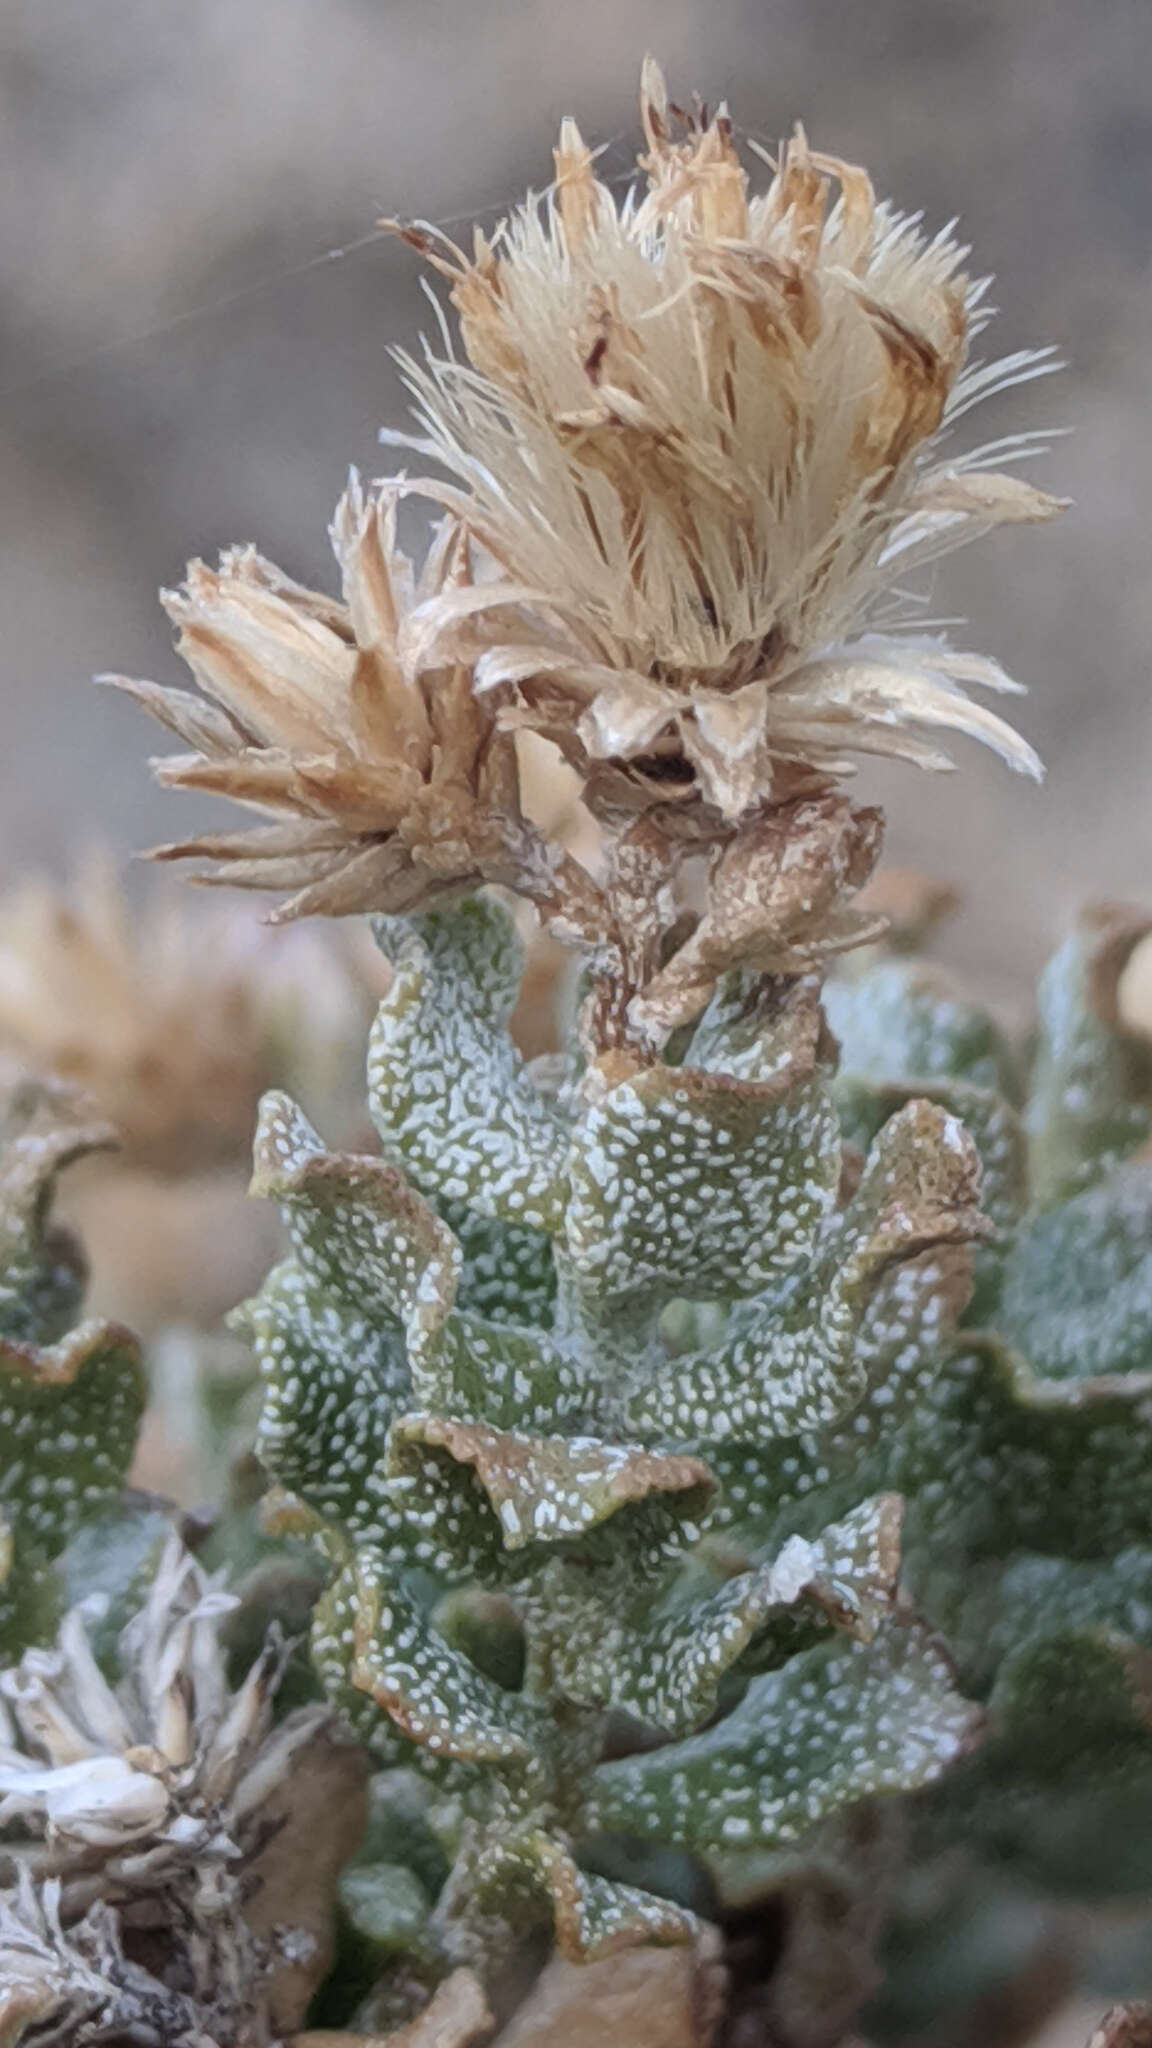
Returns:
point(392, 784)
point(698, 434)
point(159, 1795)
point(76, 1986)
point(156, 1763)
point(173, 1021)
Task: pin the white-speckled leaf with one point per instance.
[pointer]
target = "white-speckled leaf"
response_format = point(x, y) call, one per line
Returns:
point(995, 1128)
point(669, 1674)
point(358, 1230)
point(448, 1091)
point(791, 1361)
point(70, 1409)
point(760, 1026)
point(406, 1691)
point(898, 1022)
point(1061, 1790)
point(996, 1612)
point(507, 1272)
point(1076, 1298)
point(69, 1418)
point(1009, 1461)
point(687, 1182)
point(904, 1034)
point(1090, 1103)
point(532, 1877)
point(559, 1490)
point(767, 1490)
point(1064, 1697)
point(43, 1128)
point(517, 1379)
point(834, 1726)
point(333, 1376)
point(387, 1906)
point(29, 1596)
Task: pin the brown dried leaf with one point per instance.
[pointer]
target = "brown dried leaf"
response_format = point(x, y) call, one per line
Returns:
point(312, 1821)
point(456, 2017)
point(778, 901)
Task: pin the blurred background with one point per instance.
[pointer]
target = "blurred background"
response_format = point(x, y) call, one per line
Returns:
point(195, 317)
point(187, 358)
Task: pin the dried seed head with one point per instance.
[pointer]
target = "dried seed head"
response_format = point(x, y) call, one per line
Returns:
point(390, 781)
point(172, 1020)
point(153, 1761)
point(697, 432)
point(163, 1796)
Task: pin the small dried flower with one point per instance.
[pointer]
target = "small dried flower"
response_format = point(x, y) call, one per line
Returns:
point(67, 1987)
point(173, 1021)
point(393, 785)
point(698, 434)
point(159, 1795)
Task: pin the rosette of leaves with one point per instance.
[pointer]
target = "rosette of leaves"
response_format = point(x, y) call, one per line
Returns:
point(71, 1393)
point(528, 1373)
point(1027, 1462)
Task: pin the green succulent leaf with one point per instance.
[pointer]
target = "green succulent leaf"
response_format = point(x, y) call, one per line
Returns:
point(1052, 1595)
point(508, 1377)
point(833, 1726)
point(406, 1691)
point(899, 1024)
point(686, 1182)
point(70, 1400)
point(507, 1271)
point(903, 1034)
point(555, 1491)
point(669, 1674)
point(532, 1876)
point(1003, 1460)
point(1089, 1690)
point(447, 1089)
point(760, 1027)
point(1061, 1790)
point(1090, 1103)
point(1004, 1607)
point(792, 1361)
point(388, 1907)
point(487, 1627)
point(30, 1600)
point(1076, 1297)
point(43, 1128)
point(995, 1128)
point(69, 1418)
point(358, 1230)
point(769, 1490)
point(334, 1377)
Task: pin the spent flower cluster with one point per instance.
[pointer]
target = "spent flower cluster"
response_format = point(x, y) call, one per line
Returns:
point(693, 447)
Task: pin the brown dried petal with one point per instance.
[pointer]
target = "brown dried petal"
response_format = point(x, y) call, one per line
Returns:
point(776, 902)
